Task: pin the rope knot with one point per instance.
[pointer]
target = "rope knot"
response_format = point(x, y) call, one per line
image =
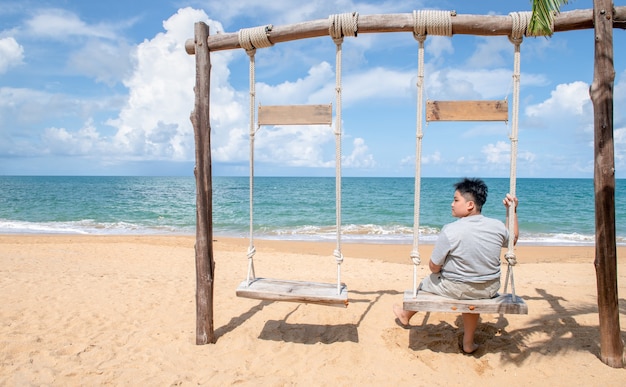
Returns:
point(510, 259)
point(251, 252)
point(520, 26)
point(432, 22)
point(338, 256)
point(255, 37)
point(344, 24)
point(415, 257)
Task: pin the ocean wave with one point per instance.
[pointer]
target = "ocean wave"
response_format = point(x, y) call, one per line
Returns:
point(84, 227)
point(352, 233)
point(372, 233)
point(354, 230)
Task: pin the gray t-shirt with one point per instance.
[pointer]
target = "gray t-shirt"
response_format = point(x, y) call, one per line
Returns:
point(469, 249)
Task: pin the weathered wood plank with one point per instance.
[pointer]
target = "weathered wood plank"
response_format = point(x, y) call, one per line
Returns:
point(485, 25)
point(428, 302)
point(294, 291)
point(467, 110)
point(295, 115)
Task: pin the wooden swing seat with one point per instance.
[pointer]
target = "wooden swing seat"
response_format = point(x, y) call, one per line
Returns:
point(429, 302)
point(294, 291)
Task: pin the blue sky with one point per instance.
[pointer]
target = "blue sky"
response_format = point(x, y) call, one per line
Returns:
point(106, 88)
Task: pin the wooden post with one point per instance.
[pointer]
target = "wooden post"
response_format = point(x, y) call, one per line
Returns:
point(601, 92)
point(205, 265)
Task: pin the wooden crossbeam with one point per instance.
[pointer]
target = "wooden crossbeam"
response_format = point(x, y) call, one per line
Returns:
point(428, 302)
point(295, 115)
point(467, 110)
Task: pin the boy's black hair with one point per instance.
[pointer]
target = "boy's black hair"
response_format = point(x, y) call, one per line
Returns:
point(474, 190)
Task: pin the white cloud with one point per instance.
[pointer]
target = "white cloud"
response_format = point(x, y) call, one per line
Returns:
point(11, 54)
point(230, 118)
point(360, 156)
point(486, 74)
point(61, 24)
point(619, 99)
point(570, 99)
point(294, 146)
point(500, 153)
point(97, 50)
point(314, 88)
point(22, 109)
point(155, 124)
point(388, 83)
point(619, 123)
point(492, 52)
point(459, 83)
point(566, 118)
point(434, 158)
point(619, 138)
point(436, 46)
point(59, 141)
point(152, 121)
point(497, 153)
point(107, 63)
point(232, 147)
point(526, 156)
point(310, 146)
point(284, 12)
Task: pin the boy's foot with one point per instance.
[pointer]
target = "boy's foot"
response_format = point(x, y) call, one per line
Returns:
point(468, 350)
point(402, 316)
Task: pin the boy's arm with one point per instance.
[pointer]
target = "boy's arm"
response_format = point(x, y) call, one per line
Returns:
point(509, 201)
point(440, 252)
point(434, 268)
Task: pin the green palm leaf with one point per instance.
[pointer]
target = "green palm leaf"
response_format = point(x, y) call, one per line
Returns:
point(543, 13)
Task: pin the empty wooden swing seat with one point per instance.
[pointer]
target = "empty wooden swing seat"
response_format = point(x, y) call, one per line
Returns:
point(429, 302)
point(288, 290)
point(295, 291)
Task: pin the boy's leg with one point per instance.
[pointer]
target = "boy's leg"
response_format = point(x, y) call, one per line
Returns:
point(470, 322)
point(403, 315)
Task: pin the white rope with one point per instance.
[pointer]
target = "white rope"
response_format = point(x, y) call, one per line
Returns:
point(432, 22)
point(339, 26)
point(520, 24)
point(424, 23)
point(255, 37)
point(343, 24)
point(252, 131)
point(250, 39)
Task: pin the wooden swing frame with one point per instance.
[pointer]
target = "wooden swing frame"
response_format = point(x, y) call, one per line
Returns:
point(603, 18)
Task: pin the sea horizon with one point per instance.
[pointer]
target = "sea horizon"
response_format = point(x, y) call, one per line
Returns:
point(553, 211)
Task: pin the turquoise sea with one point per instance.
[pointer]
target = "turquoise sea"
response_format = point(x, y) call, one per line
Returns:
point(551, 211)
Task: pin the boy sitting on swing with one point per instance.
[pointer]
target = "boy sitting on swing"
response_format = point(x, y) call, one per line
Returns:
point(465, 261)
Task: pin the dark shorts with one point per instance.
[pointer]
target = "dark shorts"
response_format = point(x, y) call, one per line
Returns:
point(437, 284)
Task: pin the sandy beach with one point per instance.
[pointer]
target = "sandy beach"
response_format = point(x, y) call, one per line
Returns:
point(120, 310)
